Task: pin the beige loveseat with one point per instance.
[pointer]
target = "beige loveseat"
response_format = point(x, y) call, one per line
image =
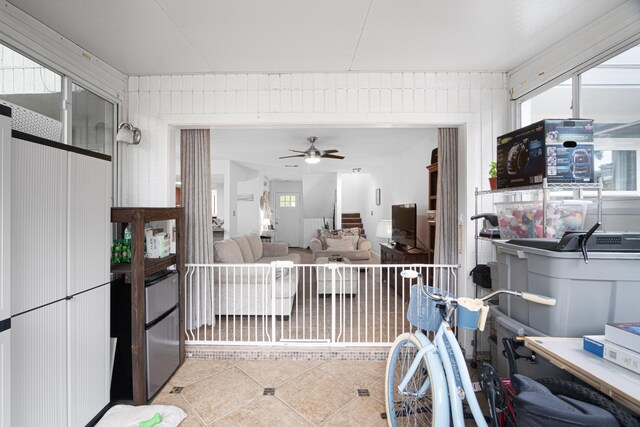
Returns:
point(240, 289)
point(356, 248)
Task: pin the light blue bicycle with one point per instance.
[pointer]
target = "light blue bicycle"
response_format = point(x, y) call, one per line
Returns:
point(427, 381)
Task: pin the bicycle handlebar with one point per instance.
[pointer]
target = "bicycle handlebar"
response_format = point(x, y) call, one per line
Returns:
point(540, 299)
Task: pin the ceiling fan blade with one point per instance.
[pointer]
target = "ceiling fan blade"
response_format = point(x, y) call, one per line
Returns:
point(287, 157)
point(329, 151)
point(296, 151)
point(332, 156)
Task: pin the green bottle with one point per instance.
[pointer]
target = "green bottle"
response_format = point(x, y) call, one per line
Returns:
point(114, 254)
point(119, 251)
point(127, 251)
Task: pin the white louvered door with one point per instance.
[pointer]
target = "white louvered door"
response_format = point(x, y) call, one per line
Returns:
point(38, 225)
point(88, 352)
point(5, 218)
point(88, 222)
point(39, 367)
point(5, 378)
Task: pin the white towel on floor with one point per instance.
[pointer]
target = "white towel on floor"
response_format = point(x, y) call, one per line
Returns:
point(132, 416)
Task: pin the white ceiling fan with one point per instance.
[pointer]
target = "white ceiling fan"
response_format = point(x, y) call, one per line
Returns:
point(313, 155)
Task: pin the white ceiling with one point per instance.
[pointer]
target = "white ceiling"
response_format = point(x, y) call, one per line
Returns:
point(365, 148)
point(194, 36)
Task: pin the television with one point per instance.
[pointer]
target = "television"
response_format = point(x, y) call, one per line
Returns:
point(404, 225)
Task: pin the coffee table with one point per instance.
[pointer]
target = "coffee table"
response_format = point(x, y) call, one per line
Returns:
point(346, 277)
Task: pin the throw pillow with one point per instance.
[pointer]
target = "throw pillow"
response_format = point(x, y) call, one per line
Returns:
point(355, 231)
point(340, 244)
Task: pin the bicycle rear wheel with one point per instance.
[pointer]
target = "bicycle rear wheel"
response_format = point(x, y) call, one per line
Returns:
point(408, 408)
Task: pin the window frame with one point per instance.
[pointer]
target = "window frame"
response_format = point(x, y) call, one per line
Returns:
point(576, 103)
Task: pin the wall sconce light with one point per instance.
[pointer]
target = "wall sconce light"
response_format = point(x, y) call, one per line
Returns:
point(128, 134)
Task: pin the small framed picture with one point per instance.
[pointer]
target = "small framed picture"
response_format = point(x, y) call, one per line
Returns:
point(378, 197)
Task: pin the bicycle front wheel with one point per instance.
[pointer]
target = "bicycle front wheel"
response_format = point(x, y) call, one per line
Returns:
point(413, 406)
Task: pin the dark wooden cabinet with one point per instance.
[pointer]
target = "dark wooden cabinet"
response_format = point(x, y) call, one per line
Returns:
point(392, 255)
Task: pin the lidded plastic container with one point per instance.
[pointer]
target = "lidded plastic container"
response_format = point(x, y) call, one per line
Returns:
point(521, 220)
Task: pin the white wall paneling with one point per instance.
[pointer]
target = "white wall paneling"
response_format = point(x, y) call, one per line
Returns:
point(38, 225)
point(39, 367)
point(5, 378)
point(5, 217)
point(89, 184)
point(474, 101)
point(88, 354)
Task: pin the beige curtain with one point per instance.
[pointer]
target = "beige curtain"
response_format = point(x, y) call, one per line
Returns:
point(446, 247)
point(195, 169)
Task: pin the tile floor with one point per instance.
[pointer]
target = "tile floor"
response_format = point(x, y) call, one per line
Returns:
point(280, 393)
point(304, 393)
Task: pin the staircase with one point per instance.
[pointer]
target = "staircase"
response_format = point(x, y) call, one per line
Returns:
point(350, 220)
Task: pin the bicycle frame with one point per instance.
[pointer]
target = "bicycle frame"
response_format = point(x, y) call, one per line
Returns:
point(449, 372)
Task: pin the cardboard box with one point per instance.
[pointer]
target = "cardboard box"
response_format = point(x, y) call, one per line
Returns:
point(158, 246)
point(559, 150)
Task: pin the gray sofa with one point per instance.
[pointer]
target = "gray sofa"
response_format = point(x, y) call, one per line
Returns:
point(248, 291)
point(360, 254)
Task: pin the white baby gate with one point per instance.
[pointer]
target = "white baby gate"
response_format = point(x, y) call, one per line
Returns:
point(281, 303)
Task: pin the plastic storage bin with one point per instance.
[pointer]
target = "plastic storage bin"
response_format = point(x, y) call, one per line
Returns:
point(508, 328)
point(605, 290)
point(521, 220)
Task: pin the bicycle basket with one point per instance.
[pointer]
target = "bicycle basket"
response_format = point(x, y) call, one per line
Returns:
point(423, 312)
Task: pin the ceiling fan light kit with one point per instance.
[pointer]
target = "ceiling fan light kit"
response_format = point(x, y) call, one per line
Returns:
point(312, 155)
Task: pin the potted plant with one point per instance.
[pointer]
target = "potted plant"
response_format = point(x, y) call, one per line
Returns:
point(493, 176)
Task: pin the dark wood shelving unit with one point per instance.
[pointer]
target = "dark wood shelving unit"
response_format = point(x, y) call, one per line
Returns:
point(141, 267)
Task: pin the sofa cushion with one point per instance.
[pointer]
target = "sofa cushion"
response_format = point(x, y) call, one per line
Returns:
point(227, 252)
point(340, 244)
point(243, 244)
point(354, 240)
point(255, 243)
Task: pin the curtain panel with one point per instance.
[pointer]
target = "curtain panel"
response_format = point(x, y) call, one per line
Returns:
point(446, 246)
point(195, 170)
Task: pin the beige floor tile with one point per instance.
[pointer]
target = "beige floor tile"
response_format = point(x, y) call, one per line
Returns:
point(363, 411)
point(316, 395)
point(359, 374)
point(376, 390)
point(265, 411)
point(192, 419)
point(194, 370)
point(272, 373)
point(221, 393)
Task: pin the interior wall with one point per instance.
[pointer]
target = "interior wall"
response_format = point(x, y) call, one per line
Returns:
point(318, 191)
point(352, 196)
point(249, 210)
